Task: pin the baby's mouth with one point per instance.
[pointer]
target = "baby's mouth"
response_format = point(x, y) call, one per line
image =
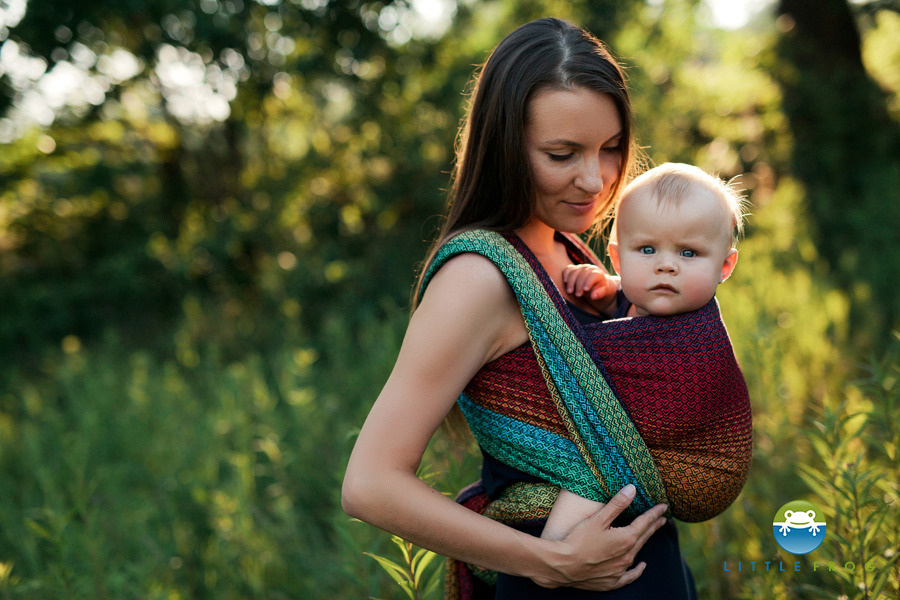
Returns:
point(663, 287)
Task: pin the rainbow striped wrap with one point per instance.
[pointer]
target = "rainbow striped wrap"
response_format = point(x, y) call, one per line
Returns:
point(657, 402)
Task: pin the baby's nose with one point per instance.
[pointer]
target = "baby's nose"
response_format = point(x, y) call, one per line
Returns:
point(666, 266)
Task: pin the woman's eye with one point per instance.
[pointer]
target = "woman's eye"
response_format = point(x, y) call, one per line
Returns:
point(617, 149)
point(559, 157)
point(646, 250)
point(688, 253)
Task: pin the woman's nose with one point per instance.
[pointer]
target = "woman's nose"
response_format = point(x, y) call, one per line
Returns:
point(590, 178)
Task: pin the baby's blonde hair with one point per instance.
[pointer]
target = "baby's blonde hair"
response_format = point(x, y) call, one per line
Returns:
point(672, 182)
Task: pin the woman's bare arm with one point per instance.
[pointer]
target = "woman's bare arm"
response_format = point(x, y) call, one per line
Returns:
point(468, 317)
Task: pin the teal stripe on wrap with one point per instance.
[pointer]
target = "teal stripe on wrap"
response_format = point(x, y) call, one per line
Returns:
point(521, 441)
point(602, 425)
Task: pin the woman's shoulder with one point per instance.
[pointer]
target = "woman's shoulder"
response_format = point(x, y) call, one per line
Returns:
point(470, 275)
point(471, 294)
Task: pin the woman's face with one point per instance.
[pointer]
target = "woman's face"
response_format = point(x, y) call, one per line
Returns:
point(574, 140)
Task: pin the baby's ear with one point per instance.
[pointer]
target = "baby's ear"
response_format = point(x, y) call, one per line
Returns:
point(729, 264)
point(613, 251)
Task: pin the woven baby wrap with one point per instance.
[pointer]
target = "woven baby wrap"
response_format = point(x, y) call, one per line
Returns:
point(658, 402)
point(603, 450)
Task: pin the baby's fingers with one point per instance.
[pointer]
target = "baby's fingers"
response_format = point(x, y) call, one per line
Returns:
point(568, 277)
point(574, 279)
point(602, 287)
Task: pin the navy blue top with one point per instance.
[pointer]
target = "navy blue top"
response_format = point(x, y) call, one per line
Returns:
point(622, 305)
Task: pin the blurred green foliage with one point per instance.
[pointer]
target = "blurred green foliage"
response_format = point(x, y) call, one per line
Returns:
point(198, 306)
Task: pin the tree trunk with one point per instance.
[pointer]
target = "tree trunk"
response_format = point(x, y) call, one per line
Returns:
point(846, 155)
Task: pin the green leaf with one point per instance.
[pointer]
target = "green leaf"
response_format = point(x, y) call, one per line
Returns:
point(39, 529)
point(882, 575)
point(821, 447)
point(395, 571)
point(420, 562)
point(840, 539)
point(433, 588)
point(403, 545)
point(814, 480)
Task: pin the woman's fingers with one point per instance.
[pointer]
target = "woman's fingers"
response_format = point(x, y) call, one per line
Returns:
point(604, 584)
point(621, 501)
point(648, 524)
point(615, 506)
point(630, 575)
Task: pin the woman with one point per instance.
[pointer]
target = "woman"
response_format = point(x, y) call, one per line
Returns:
point(546, 146)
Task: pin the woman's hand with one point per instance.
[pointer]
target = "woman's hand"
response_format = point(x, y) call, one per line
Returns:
point(597, 556)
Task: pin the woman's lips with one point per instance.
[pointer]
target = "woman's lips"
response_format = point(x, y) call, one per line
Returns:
point(581, 208)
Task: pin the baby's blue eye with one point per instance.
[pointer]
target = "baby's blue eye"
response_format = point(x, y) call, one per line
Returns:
point(646, 250)
point(688, 253)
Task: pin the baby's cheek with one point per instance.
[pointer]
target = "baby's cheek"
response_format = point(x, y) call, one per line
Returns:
point(630, 283)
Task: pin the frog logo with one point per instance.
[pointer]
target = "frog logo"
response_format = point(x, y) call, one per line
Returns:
point(799, 527)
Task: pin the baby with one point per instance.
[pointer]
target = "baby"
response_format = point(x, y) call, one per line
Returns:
point(672, 245)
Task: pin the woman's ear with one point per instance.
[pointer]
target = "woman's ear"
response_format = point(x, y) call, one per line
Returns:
point(729, 264)
point(613, 251)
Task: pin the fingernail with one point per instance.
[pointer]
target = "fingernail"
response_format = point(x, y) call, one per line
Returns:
point(628, 490)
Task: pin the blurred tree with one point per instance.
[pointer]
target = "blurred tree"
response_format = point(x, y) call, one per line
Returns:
point(846, 153)
point(284, 158)
point(246, 156)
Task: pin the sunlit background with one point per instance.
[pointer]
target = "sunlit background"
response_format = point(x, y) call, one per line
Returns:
point(211, 217)
point(198, 92)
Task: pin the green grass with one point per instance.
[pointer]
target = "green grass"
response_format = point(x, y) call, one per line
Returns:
point(129, 475)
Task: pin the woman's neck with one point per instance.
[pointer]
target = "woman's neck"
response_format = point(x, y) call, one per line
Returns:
point(539, 237)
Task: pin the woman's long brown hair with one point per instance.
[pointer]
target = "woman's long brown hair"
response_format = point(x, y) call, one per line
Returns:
point(492, 186)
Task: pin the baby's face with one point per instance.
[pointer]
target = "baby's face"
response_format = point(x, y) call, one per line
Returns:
point(672, 256)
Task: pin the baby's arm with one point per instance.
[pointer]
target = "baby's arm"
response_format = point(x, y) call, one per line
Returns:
point(594, 284)
point(568, 511)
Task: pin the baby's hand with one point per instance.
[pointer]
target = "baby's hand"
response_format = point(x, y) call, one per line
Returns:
point(599, 285)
